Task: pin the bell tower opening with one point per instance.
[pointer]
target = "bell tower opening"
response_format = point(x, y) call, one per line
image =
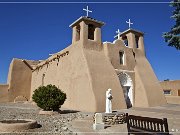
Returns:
point(78, 33)
point(137, 41)
point(91, 30)
point(125, 40)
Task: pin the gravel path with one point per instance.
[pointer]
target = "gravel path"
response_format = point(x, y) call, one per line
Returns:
point(48, 124)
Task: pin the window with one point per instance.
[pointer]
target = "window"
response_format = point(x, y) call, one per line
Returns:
point(43, 76)
point(167, 92)
point(121, 57)
point(91, 30)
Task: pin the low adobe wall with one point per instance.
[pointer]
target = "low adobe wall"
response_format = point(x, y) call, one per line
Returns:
point(173, 85)
point(173, 99)
point(4, 92)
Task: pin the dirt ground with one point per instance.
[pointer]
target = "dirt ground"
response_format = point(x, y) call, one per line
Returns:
point(74, 122)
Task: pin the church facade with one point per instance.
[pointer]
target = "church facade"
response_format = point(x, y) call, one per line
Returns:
point(87, 68)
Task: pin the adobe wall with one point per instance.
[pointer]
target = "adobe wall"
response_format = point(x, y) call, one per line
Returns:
point(103, 76)
point(4, 93)
point(19, 80)
point(174, 86)
point(84, 75)
point(148, 90)
point(173, 99)
point(69, 72)
point(112, 52)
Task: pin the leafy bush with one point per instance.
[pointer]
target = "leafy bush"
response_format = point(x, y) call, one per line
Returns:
point(49, 97)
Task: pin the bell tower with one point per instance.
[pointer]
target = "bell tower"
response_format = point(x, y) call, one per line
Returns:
point(134, 39)
point(86, 30)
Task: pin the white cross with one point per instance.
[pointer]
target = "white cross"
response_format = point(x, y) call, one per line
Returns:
point(129, 23)
point(118, 34)
point(87, 11)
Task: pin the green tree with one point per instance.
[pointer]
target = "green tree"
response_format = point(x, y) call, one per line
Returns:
point(49, 97)
point(173, 36)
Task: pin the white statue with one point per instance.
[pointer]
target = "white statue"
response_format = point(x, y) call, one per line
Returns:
point(109, 98)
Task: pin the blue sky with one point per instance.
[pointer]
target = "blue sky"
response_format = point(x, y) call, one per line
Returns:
point(34, 30)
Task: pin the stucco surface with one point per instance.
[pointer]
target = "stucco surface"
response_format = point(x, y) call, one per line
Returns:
point(71, 75)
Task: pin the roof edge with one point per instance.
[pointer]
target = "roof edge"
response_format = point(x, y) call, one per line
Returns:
point(126, 31)
point(86, 18)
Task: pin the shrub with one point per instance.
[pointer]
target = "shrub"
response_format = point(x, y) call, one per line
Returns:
point(49, 97)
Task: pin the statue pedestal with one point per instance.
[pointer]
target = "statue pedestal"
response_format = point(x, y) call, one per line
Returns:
point(98, 121)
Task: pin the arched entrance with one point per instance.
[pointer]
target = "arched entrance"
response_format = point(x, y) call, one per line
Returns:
point(127, 85)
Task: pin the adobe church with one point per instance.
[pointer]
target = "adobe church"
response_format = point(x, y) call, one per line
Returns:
point(87, 68)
